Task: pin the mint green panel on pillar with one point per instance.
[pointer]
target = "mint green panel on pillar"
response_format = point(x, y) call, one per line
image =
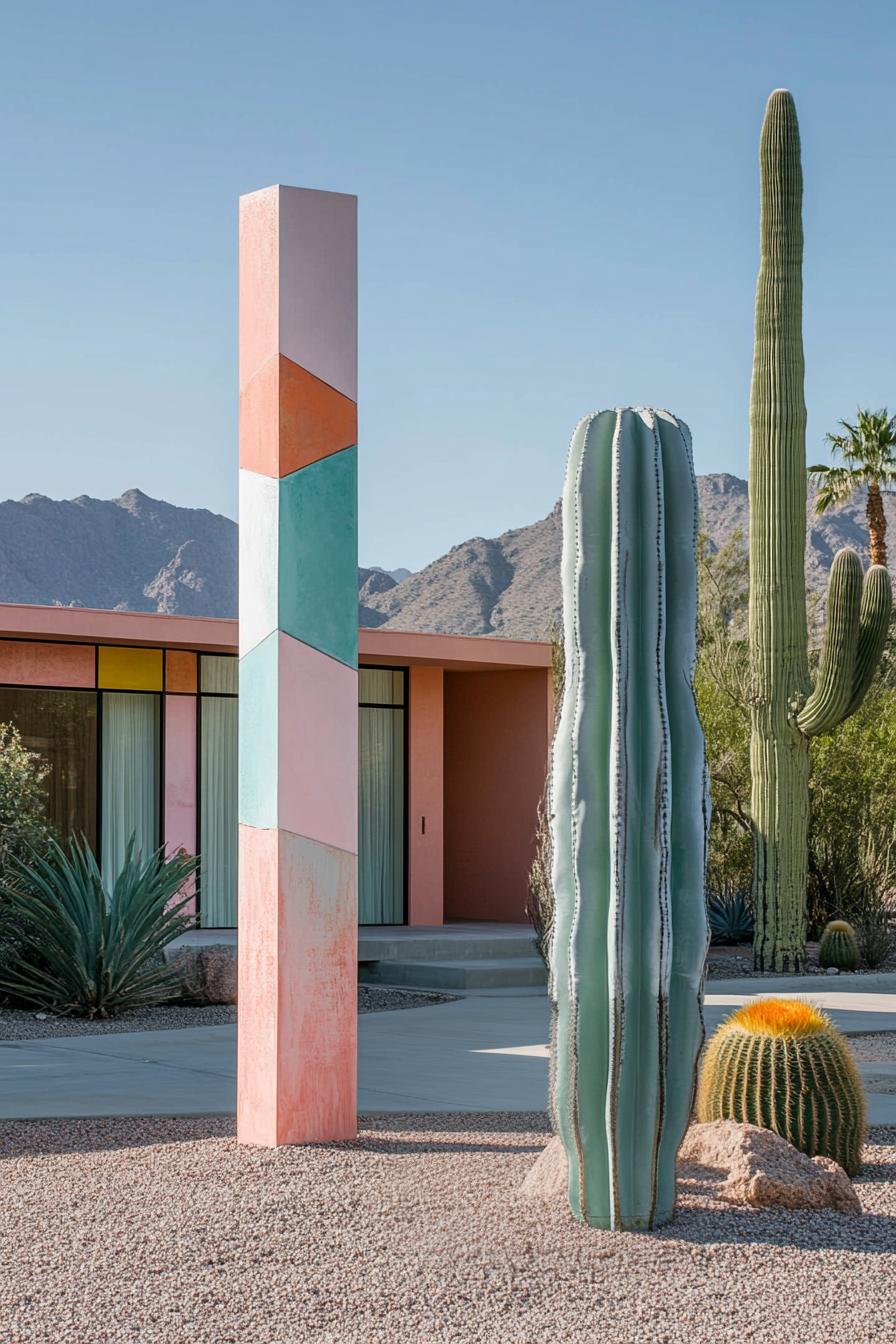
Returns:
point(318, 564)
point(258, 719)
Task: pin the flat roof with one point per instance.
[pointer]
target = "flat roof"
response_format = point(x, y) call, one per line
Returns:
point(214, 634)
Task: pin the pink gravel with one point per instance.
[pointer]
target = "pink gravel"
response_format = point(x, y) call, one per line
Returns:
point(157, 1231)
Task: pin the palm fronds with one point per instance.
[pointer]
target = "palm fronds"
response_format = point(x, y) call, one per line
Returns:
point(868, 448)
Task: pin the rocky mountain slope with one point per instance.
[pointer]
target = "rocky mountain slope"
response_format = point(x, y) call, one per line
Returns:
point(132, 553)
point(141, 554)
point(510, 586)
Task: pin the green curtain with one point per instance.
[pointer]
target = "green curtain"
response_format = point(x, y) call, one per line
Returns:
point(130, 794)
point(381, 816)
point(218, 812)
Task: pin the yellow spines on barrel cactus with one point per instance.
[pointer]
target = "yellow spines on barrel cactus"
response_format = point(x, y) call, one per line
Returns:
point(786, 711)
point(782, 1064)
point(838, 946)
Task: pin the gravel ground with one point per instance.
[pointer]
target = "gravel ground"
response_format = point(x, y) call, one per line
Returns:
point(383, 998)
point(875, 1046)
point(164, 1232)
point(22, 1025)
point(736, 962)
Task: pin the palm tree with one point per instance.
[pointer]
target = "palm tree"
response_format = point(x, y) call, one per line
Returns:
point(868, 449)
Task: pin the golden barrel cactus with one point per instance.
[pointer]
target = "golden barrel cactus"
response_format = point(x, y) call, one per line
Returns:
point(783, 1065)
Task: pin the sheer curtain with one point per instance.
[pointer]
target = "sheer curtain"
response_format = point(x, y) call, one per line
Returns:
point(218, 811)
point(130, 777)
point(380, 816)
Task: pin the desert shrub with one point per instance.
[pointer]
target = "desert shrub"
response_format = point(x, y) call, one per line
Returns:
point(540, 900)
point(721, 685)
point(24, 829)
point(86, 950)
point(23, 799)
point(730, 915)
point(852, 835)
point(540, 892)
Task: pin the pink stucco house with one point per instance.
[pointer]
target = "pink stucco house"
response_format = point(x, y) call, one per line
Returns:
point(137, 714)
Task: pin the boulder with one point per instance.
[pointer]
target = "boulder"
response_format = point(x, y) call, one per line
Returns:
point(763, 1170)
point(751, 1166)
point(207, 973)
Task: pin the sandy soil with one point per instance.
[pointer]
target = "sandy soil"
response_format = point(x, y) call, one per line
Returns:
point(164, 1232)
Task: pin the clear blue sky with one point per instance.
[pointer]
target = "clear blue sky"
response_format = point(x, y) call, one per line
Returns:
point(558, 212)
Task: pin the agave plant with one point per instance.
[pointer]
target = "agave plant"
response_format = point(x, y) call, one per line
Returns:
point(730, 917)
point(85, 950)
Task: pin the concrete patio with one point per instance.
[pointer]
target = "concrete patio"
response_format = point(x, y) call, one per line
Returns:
point(486, 1051)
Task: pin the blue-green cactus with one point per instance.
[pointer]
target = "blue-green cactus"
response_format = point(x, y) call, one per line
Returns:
point(630, 811)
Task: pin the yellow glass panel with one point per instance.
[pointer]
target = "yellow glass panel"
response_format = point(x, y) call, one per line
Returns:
point(123, 669)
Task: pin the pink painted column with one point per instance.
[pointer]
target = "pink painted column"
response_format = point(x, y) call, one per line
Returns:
point(298, 907)
point(426, 771)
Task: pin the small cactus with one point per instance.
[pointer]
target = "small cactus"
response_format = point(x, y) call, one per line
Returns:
point(782, 1064)
point(838, 946)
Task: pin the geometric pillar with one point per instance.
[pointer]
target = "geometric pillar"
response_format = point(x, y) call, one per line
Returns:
point(298, 607)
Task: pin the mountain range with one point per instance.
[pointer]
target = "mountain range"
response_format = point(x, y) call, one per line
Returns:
point(141, 554)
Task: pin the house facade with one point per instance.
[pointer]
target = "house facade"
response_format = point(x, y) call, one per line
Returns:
point(136, 715)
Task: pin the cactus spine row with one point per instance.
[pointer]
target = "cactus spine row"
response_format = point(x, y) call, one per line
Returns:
point(629, 814)
point(782, 1065)
point(786, 711)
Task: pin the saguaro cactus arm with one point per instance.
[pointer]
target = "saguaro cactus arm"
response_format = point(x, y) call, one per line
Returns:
point(827, 704)
point(854, 637)
point(629, 814)
point(874, 624)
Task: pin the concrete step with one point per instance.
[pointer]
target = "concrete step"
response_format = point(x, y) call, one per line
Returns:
point(410, 946)
point(475, 973)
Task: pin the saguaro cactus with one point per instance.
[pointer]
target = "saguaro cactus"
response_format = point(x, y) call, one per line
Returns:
point(629, 809)
point(785, 709)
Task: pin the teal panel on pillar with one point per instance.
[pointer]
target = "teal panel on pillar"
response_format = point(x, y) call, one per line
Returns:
point(259, 719)
point(318, 563)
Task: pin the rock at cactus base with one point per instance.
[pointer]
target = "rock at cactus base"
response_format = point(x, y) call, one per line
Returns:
point(207, 974)
point(546, 1178)
point(723, 1160)
point(762, 1170)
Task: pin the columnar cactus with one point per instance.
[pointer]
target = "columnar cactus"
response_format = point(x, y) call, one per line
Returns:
point(786, 712)
point(629, 817)
point(781, 1064)
point(838, 946)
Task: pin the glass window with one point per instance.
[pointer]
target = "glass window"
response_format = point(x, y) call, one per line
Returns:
point(380, 686)
point(130, 735)
point(381, 796)
point(61, 727)
point(218, 736)
point(219, 676)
